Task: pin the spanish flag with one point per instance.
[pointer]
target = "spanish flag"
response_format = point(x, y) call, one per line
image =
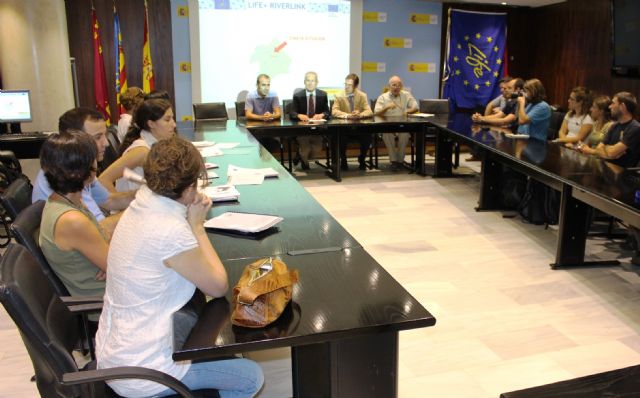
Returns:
point(99, 75)
point(148, 79)
point(121, 70)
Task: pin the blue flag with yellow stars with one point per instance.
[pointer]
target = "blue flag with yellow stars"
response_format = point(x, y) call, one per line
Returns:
point(474, 58)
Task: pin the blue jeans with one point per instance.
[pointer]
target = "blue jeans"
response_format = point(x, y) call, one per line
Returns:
point(233, 378)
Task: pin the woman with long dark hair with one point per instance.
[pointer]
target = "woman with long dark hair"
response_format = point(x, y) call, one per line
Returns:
point(153, 121)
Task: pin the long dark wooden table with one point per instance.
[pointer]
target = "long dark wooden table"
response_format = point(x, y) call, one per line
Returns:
point(336, 129)
point(584, 181)
point(343, 322)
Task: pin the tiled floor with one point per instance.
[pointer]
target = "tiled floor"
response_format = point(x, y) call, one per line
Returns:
point(505, 319)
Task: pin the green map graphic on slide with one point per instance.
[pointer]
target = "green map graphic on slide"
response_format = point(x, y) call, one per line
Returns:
point(272, 58)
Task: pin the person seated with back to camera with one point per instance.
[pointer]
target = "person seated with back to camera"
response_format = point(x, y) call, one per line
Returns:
point(159, 254)
point(534, 114)
point(262, 104)
point(577, 123)
point(352, 103)
point(396, 102)
point(153, 121)
point(301, 109)
point(129, 100)
point(72, 241)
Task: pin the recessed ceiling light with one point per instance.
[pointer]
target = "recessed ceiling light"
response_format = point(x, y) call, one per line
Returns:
point(504, 3)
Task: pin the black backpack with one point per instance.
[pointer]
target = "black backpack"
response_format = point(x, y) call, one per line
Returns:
point(540, 204)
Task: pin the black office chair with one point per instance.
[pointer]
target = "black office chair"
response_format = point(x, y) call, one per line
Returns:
point(555, 123)
point(240, 109)
point(49, 330)
point(14, 199)
point(112, 151)
point(210, 111)
point(26, 229)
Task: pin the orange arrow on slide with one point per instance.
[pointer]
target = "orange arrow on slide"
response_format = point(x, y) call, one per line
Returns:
point(280, 46)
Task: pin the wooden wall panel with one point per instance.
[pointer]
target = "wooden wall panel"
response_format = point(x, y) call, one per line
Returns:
point(131, 15)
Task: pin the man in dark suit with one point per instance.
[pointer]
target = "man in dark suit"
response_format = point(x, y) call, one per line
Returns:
point(308, 105)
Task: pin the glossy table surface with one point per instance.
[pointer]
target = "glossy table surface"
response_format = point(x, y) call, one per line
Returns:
point(587, 173)
point(339, 295)
point(333, 123)
point(307, 226)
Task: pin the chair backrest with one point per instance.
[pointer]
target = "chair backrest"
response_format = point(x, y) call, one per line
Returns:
point(47, 327)
point(16, 197)
point(112, 151)
point(286, 106)
point(240, 109)
point(26, 229)
point(554, 124)
point(210, 111)
point(10, 168)
point(435, 106)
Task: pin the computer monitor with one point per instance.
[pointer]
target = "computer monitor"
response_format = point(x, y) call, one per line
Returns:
point(15, 106)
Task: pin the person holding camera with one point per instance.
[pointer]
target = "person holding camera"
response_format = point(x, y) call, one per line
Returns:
point(577, 123)
point(533, 112)
point(507, 115)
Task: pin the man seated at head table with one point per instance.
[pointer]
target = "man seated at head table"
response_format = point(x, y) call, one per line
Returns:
point(352, 104)
point(94, 195)
point(396, 102)
point(621, 145)
point(505, 115)
point(263, 105)
point(309, 104)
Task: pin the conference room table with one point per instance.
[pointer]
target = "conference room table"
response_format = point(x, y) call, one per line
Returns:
point(346, 311)
point(584, 181)
point(337, 129)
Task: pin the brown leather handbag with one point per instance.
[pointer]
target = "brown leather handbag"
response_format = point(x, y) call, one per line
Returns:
point(262, 293)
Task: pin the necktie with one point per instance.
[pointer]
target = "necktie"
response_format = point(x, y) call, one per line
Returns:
point(311, 109)
point(350, 103)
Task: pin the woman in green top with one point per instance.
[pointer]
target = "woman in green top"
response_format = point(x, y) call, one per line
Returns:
point(601, 115)
point(70, 236)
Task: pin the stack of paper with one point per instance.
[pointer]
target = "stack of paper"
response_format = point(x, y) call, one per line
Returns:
point(243, 222)
point(221, 193)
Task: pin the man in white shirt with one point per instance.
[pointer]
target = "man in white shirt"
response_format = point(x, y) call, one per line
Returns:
point(395, 102)
point(95, 196)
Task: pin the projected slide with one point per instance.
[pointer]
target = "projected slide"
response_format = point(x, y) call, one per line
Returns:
point(284, 39)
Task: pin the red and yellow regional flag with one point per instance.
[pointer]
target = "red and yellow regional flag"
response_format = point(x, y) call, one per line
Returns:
point(148, 79)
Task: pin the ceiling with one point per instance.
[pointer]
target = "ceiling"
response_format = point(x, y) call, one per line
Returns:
point(529, 3)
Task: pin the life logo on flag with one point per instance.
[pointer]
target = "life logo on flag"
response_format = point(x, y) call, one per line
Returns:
point(475, 58)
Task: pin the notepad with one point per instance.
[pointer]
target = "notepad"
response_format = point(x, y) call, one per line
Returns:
point(227, 145)
point(266, 172)
point(210, 166)
point(221, 193)
point(312, 121)
point(243, 222)
point(203, 144)
point(419, 114)
point(210, 151)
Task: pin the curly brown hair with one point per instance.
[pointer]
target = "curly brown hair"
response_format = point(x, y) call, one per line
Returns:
point(172, 166)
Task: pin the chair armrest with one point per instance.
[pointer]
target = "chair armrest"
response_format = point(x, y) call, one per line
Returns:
point(126, 372)
point(72, 300)
point(85, 308)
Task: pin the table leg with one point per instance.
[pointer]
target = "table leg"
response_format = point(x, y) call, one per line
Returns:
point(334, 148)
point(420, 150)
point(364, 366)
point(444, 152)
point(490, 184)
point(572, 233)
